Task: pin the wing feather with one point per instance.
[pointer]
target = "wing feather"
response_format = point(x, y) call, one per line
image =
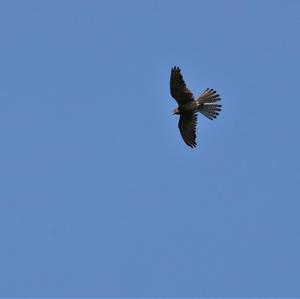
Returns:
point(187, 127)
point(178, 89)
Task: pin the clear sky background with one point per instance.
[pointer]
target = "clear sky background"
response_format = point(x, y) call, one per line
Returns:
point(100, 196)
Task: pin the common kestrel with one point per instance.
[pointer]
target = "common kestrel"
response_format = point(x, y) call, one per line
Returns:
point(188, 106)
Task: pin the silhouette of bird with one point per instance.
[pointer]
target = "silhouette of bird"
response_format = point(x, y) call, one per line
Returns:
point(188, 106)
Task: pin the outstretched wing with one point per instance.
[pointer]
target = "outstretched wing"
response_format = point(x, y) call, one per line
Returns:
point(179, 91)
point(187, 127)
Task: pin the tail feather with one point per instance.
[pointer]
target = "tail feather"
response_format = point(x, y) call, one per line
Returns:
point(206, 103)
point(208, 96)
point(209, 116)
point(213, 107)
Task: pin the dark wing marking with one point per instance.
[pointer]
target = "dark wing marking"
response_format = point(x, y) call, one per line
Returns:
point(187, 127)
point(179, 91)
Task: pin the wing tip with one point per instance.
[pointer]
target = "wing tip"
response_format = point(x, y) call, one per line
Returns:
point(192, 145)
point(175, 69)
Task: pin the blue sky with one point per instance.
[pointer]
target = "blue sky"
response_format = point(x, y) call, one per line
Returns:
point(100, 196)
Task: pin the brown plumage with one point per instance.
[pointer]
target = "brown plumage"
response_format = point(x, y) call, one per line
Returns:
point(188, 106)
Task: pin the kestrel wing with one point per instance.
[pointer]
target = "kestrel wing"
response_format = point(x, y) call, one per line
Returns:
point(187, 127)
point(178, 89)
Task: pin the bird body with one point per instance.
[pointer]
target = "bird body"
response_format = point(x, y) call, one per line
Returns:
point(188, 106)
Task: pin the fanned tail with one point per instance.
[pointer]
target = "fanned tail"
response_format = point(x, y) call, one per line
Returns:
point(206, 103)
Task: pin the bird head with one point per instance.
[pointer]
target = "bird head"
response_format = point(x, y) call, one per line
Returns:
point(176, 111)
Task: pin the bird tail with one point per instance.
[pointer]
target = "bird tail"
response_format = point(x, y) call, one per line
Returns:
point(206, 103)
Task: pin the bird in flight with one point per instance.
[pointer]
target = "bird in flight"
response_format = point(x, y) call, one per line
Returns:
point(188, 106)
